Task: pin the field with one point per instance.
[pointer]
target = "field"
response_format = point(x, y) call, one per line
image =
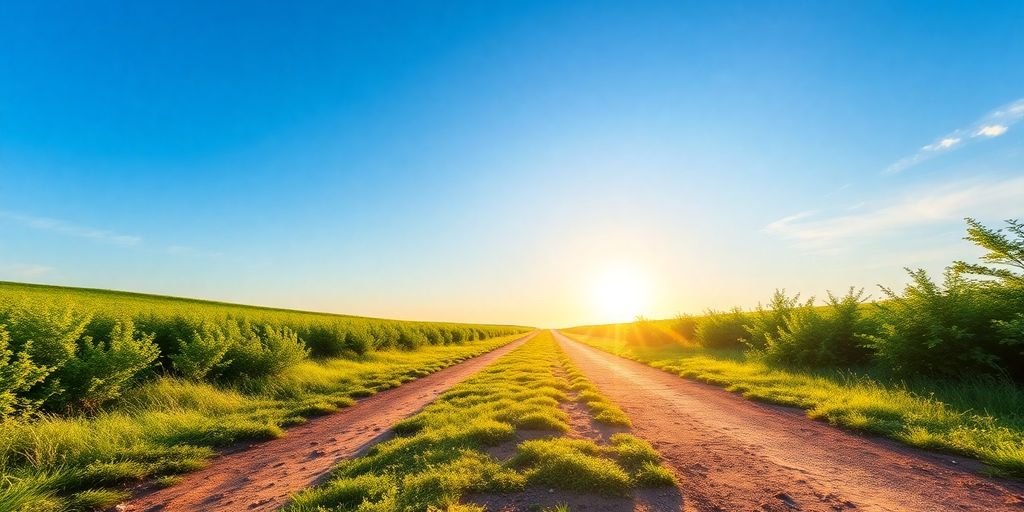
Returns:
point(104, 388)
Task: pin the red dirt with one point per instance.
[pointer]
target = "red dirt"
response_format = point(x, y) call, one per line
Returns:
point(263, 476)
point(734, 454)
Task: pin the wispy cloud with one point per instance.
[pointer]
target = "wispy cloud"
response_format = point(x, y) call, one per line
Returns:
point(994, 124)
point(68, 229)
point(946, 203)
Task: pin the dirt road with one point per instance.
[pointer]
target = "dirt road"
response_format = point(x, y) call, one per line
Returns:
point(263, 476)
point(732, 454)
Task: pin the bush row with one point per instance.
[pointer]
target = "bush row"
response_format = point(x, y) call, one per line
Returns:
point(58, 356)
point(971, 322)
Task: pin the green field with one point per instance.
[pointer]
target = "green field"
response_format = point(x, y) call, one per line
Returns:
point(443, 455)
point(101, 388)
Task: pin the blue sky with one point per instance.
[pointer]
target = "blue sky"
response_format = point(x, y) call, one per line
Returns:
point(488, 161)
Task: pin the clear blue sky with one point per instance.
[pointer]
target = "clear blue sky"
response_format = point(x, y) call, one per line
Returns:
point(484, 161)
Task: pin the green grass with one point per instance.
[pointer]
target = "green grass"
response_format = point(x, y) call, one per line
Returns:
point(441, 454)
point(981, 418)
point(170, 426)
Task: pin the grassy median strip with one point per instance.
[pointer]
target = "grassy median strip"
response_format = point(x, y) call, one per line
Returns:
point(441, 455)
point(953, 417)
point(172, 425)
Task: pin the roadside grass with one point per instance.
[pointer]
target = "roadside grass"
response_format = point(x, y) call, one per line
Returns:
point(441, 454)
point(170, 426)
point(981, 418)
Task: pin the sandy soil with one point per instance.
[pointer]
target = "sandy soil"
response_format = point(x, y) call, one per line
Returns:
point(261, 476)
point(732, 454)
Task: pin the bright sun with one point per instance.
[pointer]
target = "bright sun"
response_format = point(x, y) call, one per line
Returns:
point(620, 294)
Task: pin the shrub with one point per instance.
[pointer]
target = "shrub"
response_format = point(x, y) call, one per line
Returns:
point(358, 339)
point(17, 375)
point(103, 370)
point(385, 336)
point(48, 333)
point(947, 330)
point(433, 334)
point(643, 332)
point(202, 354)
point(767, 323)
point(409, 338)
point(325, 339)
point(262, 351)
point(686, 326)
point(722, 329)
point(832, 335)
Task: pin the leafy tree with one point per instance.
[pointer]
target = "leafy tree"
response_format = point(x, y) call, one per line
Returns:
point(1002, 250)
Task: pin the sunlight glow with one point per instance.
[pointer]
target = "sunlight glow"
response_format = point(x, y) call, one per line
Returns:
point(620, 293)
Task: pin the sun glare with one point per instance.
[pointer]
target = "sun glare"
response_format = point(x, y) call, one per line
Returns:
point(620, 294)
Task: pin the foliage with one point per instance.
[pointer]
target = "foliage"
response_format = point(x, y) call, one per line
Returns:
point(718, 329)
point(766, 324)
point(1001, 250)
point(828, 336)
point(169, 425)
point(203, 354)
point(17, 375)
point(946, 329)
point(104, 369)
point(261, 351)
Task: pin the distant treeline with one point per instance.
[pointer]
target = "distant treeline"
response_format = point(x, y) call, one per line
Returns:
point(67, 349)
point(969, 323)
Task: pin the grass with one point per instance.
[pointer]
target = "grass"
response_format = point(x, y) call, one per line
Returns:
point(981, 418)
point(441, 455)
point(169, 426)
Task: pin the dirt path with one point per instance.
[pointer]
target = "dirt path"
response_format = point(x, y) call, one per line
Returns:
point(263, 476)
point(733, 454)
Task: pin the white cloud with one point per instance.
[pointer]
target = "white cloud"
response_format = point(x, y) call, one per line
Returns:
point(943, 144)
point(991, 130)
point(69, 229)
point(991, 125)
point(947, 203)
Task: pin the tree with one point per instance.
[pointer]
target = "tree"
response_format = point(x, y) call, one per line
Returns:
point(1004, 250)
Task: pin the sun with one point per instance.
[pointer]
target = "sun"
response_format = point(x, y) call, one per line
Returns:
point(620, 293)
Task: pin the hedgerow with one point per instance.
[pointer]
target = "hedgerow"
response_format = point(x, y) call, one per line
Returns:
point(74, 350)
point(970, 323)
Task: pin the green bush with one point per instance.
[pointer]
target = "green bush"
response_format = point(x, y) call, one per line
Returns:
point(410, 338)
point(722, 329)
point(326, 339)
point(358, 339)
point(767, 323)
point(203, 354)
point(103, 369)
point(685, 326)
point(262, 351)
point(17, 375)
point(832, 335)
point(48, 333)
point(946, 329)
